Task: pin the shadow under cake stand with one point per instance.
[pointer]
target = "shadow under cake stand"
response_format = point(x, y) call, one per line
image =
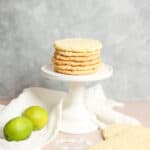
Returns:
point(75, 116)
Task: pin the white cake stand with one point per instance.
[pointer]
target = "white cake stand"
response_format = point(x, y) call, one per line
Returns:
point(75, 116)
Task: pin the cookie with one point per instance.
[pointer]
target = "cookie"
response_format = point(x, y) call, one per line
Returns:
point(78, 45)
point(69, 53)
point(76, 58)
point(76, 72)
point(137, 140)
point(117, 129)
point(77, 68)
point(75, 63)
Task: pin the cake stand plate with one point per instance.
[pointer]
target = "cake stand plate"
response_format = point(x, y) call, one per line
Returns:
point(104, 72)
point(75, 116)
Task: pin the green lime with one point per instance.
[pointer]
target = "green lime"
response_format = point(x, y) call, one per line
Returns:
point(37, 115)
point(17, 129)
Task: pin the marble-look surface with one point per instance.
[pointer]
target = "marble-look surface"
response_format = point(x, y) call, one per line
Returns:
point(28, 29)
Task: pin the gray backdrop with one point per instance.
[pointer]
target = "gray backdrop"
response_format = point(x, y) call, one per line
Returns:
point(28, 29)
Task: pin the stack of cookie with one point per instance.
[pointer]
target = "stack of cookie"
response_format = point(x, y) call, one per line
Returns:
point(77, 56)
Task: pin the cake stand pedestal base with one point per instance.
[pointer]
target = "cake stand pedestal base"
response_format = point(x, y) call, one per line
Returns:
point(75, 116)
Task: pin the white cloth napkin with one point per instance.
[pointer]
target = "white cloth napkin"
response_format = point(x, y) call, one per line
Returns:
point(52, 100)
point(103, 108)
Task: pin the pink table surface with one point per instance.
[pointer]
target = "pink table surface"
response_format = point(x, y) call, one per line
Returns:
point(138, 109)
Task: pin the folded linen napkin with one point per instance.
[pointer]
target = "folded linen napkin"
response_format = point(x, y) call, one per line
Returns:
point(103, 108)
point(50, 100)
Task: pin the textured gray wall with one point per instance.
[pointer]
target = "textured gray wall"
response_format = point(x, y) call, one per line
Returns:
point(29, 27)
